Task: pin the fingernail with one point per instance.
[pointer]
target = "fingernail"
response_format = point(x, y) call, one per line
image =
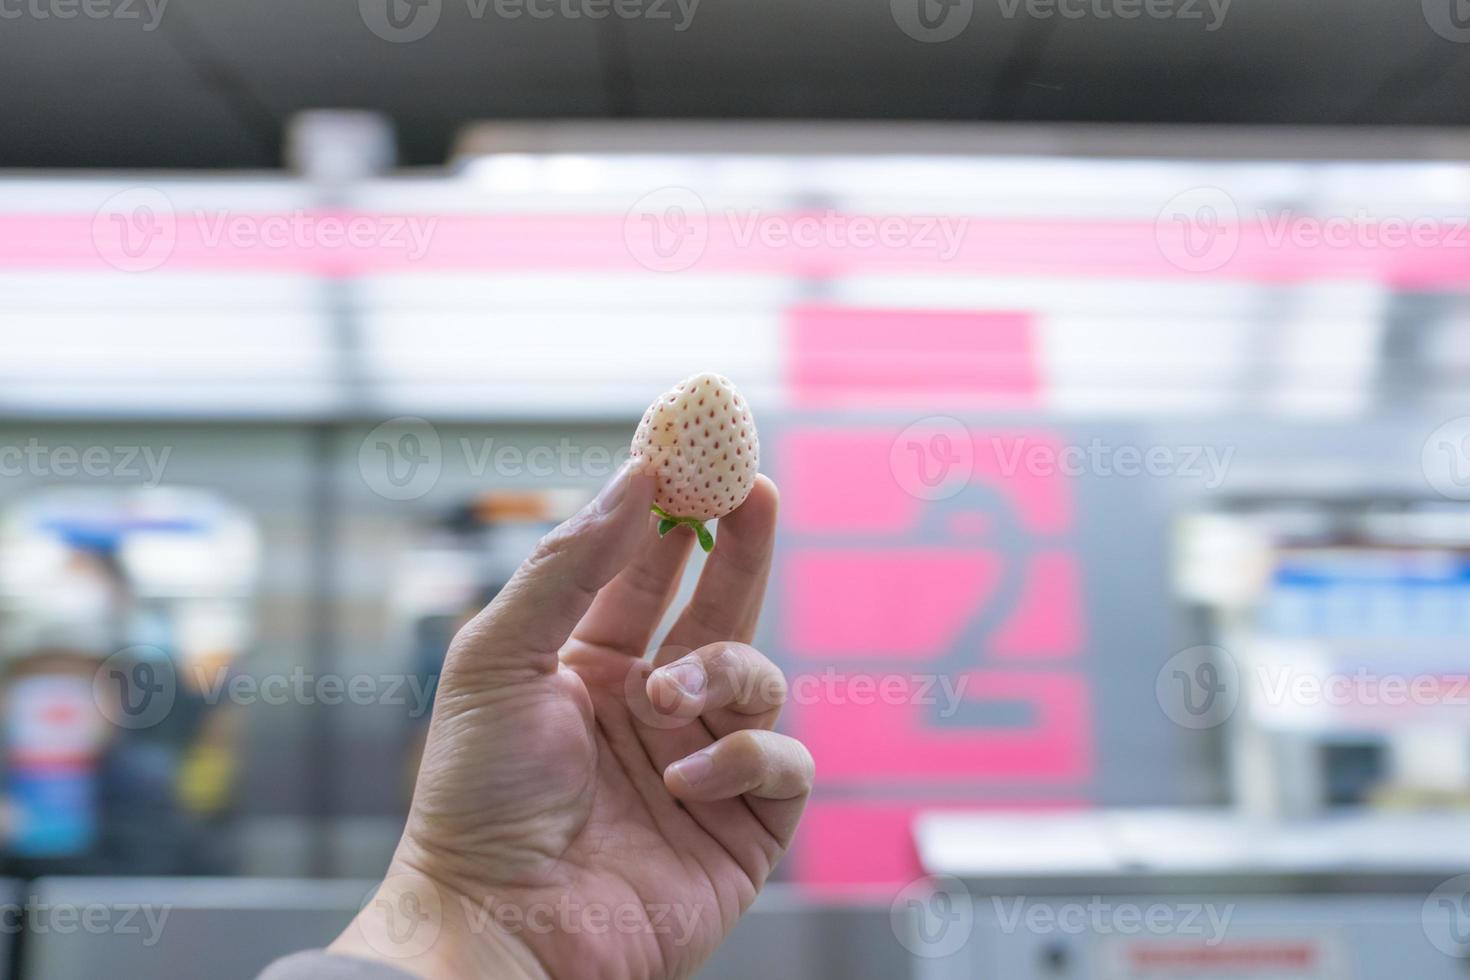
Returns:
point(694, 769)
point(688, 677)
point(611, 495)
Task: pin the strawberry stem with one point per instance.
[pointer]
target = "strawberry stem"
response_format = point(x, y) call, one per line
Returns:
point(669, 522)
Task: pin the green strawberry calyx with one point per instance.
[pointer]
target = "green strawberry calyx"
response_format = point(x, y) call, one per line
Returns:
point(668, 522)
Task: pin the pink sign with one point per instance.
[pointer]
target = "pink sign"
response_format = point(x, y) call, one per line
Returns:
point(932, 602)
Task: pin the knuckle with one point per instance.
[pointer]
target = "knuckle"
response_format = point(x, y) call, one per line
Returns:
point(552, 544)
point(746, 748)
point(775, 689)
point(553, 553)
point(806, 765)
point(796, 771)
point(724, 663)
point(754, 679)
point(465, 636)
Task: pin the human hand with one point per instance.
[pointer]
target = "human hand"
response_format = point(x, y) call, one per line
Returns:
point(575, 815)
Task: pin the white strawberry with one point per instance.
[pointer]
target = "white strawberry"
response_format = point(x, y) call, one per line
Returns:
point(699, 440)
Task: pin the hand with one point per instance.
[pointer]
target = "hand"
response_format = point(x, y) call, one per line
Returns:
point(576, 815)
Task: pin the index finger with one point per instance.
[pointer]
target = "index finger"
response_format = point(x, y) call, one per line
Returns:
point(527, 623)
point(727, 601)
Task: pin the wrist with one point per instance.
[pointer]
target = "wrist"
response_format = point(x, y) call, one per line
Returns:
point(420, 925)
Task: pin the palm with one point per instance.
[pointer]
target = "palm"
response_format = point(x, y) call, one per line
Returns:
point(543, 784)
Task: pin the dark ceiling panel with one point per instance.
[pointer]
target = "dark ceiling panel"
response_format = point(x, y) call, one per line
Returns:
point(213, 83)
point(819, 58)
point(469, 63)
point(110, 92)
point(1266, 63)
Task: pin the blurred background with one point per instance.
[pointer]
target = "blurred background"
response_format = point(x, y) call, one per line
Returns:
point(1112, 358)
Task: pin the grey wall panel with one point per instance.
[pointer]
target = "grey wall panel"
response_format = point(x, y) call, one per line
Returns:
point(228, 929)
point(163, 928)
point(10, 907)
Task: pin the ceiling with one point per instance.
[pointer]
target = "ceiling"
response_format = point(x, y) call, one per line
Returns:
point(209, 83)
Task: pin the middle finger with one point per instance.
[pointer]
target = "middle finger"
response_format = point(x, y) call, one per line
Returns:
point(733, 686)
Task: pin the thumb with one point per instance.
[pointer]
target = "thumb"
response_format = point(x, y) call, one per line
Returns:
point(534, 614)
